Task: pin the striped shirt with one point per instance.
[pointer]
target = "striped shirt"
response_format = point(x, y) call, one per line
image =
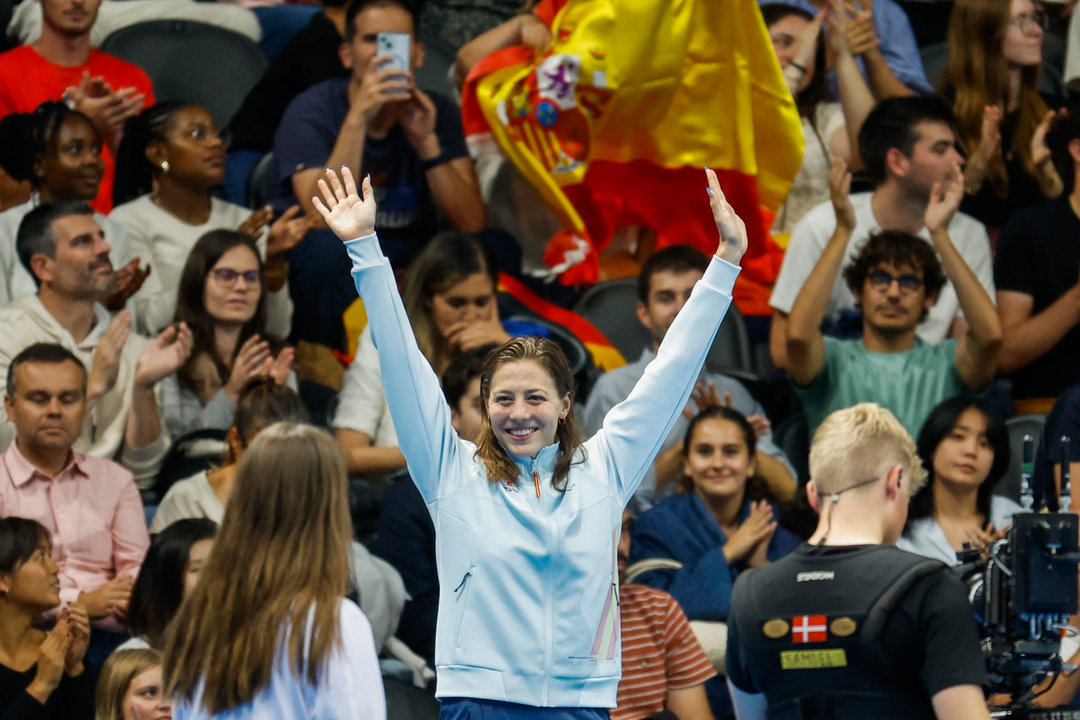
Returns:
point(660, 652)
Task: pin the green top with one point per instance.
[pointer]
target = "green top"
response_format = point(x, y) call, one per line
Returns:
point(908, 383)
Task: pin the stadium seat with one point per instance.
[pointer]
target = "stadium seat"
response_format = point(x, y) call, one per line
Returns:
point(611, 307)
point(192, 61)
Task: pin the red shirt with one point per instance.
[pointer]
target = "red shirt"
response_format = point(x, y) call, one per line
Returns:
point(27, 80)
point(659, 652)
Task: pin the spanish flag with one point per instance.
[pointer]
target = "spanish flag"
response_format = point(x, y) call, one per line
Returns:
point(615, 121)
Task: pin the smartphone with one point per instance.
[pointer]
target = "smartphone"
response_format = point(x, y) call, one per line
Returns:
point(398, 47)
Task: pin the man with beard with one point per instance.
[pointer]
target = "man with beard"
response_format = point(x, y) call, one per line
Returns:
point(65, 251)
point(895, 279)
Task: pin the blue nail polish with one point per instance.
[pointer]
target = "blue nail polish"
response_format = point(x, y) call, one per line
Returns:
point(709, 191)
point(368, 176)
point(706, 167)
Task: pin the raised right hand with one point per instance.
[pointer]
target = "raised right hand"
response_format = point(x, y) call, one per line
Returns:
point(348, 214)
point(840, 194)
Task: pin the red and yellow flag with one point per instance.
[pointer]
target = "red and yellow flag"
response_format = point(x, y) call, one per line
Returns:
point(614, 122)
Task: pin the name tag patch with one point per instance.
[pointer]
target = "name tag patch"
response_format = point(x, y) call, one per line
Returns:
point(812, 659)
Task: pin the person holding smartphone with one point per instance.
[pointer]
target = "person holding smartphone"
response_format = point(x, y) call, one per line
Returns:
point(377, 122)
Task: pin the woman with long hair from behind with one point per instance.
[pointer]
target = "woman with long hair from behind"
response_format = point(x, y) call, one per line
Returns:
point(267, 632)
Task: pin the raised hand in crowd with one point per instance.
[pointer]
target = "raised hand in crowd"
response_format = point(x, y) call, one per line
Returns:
point(1049, 182)
point(417, 119)
point(107, 109)
point(733, 238)
point(840, 195)
point(989, 150)
point(109, 599)
point(532, 32)
point(50, 662)
point(286, 232)
point(129, 279)
point(281, 367)
point(79, 628)
point(945, 197)
point(380, 85)
point(754, 533)
point(470, 334)
point(256, 221)
point(348, 214)
point(798, 72)
point(254, 359)
point(861, 36)
point(705, 395)
point(164, 355)
point(106, 365)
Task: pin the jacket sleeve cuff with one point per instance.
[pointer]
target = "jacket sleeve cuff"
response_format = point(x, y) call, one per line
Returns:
point(721, 275)
point(365, 251)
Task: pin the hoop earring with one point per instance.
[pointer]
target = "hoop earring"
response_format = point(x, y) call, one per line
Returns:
point(164, 166)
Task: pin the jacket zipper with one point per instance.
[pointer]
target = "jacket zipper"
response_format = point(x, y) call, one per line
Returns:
point(536, 482)
point(462, 591)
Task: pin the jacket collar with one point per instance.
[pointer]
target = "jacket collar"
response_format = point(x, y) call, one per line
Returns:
point(543, 463)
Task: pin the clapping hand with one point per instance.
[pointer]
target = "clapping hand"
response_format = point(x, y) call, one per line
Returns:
point(79, 628)
point(705, 395)
point(756, 530)
point(945, 197)
point(733, 239)
point(287, 231)
point(129, 279)
point(164, 355)
point(106, 365)
point(861, 36)
point(840, 194)
point(348, 214)
point(989, 149)
point(1048, 178)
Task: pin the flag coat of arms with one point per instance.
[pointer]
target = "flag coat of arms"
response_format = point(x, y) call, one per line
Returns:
point(613, 124)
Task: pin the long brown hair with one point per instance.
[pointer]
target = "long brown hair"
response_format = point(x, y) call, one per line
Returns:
point(755, 488)
point(280, 561)
point(448, 259)
point(977, 75)
point(549, 356)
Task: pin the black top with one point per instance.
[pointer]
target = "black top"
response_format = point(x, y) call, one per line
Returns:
point(310, 57)
point(1039, 255)
point(796, 627)
point(73, 698)
point(987, 206)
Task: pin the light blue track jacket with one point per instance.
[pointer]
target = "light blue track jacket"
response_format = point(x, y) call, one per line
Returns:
point(528, 608)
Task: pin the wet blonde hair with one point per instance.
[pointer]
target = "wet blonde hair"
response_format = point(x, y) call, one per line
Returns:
point(858, 443)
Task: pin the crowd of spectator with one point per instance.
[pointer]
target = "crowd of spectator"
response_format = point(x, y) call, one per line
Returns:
point(159, 313)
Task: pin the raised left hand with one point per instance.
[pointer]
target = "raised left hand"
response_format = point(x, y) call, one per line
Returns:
point(129, 279)
point(280, 367)
point(733, 238)
point(164, 356)
point(945, 197)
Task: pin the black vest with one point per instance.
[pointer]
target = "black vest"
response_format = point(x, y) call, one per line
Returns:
point(811, 631)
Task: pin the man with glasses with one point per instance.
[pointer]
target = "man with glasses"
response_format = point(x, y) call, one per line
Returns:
point(907, 145)
point(896, 278)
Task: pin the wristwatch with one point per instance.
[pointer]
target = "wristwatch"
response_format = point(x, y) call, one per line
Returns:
point(436, 161)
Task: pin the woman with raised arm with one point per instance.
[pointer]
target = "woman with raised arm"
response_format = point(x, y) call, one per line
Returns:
point(526, 520)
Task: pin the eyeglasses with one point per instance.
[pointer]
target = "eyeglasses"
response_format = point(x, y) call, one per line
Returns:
point(882, 281)
point(1026, 21)
point(203, 133)
point(228, 276)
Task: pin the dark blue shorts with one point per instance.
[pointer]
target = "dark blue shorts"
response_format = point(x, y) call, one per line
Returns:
point(469, 709)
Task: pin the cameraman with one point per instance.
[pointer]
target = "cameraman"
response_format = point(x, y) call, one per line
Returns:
point(847, 625)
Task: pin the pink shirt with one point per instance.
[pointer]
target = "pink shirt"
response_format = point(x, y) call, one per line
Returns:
point(91, 509)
